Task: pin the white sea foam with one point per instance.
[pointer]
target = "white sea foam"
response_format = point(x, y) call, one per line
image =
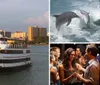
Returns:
point(78, 29)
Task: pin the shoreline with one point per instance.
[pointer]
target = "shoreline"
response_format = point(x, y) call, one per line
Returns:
point(37, 44)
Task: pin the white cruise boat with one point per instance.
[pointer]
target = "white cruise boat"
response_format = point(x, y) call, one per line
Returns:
point(13, 55)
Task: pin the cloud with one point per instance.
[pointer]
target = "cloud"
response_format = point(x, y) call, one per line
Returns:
point(42, 21)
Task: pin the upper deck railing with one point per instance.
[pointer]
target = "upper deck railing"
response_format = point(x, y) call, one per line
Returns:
point(17, 46)
point(16, 43)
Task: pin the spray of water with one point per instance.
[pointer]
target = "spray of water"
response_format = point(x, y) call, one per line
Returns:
point(79, 30)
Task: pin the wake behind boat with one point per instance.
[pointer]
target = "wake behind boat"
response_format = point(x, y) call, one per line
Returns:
point(14, 54)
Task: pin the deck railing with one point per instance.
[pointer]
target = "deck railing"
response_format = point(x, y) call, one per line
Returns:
point(18, 46)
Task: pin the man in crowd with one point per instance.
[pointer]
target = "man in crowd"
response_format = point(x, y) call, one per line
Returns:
point(91, 73)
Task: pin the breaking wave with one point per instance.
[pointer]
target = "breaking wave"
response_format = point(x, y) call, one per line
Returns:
point(77, 30)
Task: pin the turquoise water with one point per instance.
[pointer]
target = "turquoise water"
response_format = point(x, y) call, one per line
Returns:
point(37, 74)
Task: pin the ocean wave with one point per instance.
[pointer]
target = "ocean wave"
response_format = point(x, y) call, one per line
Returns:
point(78, 30)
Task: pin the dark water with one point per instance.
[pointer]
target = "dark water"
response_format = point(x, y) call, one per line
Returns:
point(37, 74)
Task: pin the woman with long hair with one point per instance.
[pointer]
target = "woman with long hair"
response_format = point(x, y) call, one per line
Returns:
point(66, 71)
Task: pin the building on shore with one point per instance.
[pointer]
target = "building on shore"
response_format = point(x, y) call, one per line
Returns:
point(42, 32)
point(19, 35)
point(36, 32)
point(5, 33)
point(30, 33)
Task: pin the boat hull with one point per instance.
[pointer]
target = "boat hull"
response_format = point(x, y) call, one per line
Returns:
point(14, 62)
point(14, 69)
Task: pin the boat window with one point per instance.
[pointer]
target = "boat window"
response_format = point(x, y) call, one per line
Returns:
point(11, 51)
point(3, 39)
point(27, 51)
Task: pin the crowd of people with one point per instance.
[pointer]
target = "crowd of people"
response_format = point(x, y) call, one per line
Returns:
point(80, 66)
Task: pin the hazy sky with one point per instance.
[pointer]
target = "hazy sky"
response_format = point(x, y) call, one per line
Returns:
point(17, 15)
